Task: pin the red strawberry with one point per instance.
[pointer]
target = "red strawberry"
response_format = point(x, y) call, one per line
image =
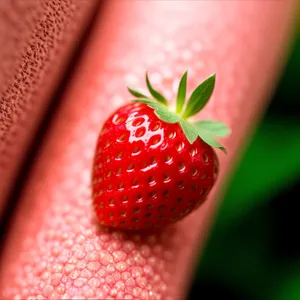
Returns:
point(152, 167)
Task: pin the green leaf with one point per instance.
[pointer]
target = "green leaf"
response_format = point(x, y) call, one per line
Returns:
point(181, 93)
point(200, 96)
point(136, 93)
point(161, 111)
point(189, 131)
point(150, 103)
point(165, 115)
point(209, 139)
point(156, 95)
point(215, 128)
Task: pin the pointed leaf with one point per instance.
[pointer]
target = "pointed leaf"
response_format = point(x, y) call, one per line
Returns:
point(209, 139)
point(181, 93)
point(215, 128)
point(161, 111)
point(156, 95)
point(137, 93)
point(189, 131)
point(150, 103)
point(167, 116)
point(200, 96)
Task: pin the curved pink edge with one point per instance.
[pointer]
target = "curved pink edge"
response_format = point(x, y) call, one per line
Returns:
point(56, 249)
point(32, 63)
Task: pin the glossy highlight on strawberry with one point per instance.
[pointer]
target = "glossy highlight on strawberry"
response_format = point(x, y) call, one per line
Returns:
point(149, 169)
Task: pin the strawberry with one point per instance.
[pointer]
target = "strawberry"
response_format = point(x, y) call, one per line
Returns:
point(152, 166)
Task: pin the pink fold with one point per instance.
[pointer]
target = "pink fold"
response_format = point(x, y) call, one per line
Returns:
point(56, 249)
point(37, 39)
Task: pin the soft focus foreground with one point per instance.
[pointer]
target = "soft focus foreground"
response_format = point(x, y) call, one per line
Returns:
point(55, 248)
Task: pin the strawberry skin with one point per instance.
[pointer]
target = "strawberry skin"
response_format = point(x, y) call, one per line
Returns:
point(146, 173)
point(152, 165)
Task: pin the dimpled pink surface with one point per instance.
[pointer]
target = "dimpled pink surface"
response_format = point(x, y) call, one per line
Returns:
point(37, 39)
point(56, 249)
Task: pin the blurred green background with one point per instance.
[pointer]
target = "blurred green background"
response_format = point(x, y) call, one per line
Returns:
point(253, 251)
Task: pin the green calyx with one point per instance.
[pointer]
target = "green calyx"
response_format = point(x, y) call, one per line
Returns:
point(207, 130)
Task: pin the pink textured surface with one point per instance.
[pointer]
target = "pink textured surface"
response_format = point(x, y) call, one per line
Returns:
point(56, 249)
point(37, 38)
